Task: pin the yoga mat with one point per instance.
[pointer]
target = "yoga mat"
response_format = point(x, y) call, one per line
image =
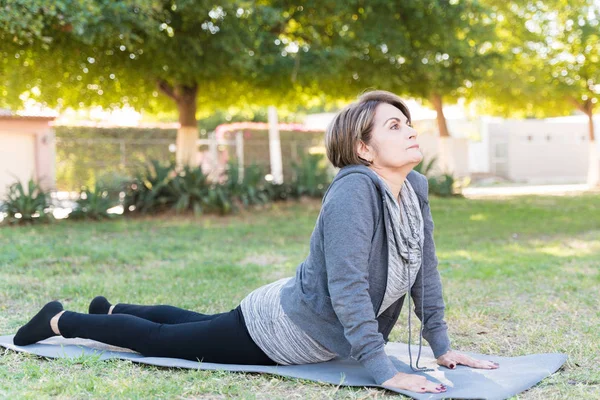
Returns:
point(514, 375)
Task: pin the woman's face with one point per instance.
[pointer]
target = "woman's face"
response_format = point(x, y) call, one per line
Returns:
point(393, 143)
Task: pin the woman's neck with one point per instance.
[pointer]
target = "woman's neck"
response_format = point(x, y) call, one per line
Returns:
point(393, 179)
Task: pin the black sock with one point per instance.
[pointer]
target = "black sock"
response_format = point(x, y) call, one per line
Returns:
point(39, 327)
point(99, 305)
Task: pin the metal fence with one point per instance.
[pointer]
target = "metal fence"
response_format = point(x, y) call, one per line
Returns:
point(84, 161)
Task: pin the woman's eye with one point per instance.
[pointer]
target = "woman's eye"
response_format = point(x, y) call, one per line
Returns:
point(396, 126)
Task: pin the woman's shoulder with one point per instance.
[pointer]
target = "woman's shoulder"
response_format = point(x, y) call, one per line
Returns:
point(353, 187)
point(352, 195)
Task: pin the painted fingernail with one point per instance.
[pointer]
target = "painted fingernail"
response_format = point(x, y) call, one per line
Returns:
point(452, 366)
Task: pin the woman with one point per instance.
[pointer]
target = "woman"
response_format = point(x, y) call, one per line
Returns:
point(372, 244)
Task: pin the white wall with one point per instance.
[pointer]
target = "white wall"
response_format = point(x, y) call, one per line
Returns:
point(17, 157)
point(541, 151)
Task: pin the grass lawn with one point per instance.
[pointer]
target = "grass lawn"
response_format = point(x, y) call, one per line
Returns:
point(520, 276)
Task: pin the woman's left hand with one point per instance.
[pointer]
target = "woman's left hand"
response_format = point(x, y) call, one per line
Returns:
point(451, 359)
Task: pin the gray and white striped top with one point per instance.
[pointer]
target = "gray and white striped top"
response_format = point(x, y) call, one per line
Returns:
point(275, 333)
point(283, 341)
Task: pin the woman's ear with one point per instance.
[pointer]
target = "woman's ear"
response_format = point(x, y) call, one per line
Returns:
point(364, 151)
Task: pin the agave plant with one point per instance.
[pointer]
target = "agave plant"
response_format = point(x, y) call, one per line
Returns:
point(26, 204)
point(93, 204)
point(250, 190)
point(443, 185)
point(149, 191)
point(311, 177)
point(218, 200)
point(425, 167)
point(189, 190)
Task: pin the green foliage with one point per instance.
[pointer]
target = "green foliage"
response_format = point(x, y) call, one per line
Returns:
point(442, 185)
point(311, 176)
point(251, 190)
point(161, 187)
point(150, 191)
point(281, 191)
point(189, 190)
point(425, 167)
point(26, 204)
point(93, 204)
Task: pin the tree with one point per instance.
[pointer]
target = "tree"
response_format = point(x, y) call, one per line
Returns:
point(552, 65)
point(436, 50)
point(84, 53)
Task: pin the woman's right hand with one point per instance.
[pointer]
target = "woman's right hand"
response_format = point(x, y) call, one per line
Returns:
point(414, 383)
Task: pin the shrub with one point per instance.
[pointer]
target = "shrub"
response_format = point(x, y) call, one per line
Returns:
point(251, 190)
point(425, 167)
point(311, 176)
point(188, 190)
point(93, 204)
point(149, 191)
point(442, 185)
point(26, 204)
point(281, 191)
point(160, 188)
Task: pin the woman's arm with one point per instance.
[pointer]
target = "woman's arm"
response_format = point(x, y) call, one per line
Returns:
point(435, 330)
point(349, 217)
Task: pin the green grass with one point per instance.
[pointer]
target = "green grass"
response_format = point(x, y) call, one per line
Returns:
point(520, 276)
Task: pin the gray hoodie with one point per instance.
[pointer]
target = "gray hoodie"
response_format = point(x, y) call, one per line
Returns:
point(340, 286)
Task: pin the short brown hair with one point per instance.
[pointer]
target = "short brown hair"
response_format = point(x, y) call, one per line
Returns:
point(354, 123)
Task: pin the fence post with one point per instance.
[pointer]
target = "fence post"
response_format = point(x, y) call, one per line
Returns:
point(239, 151)
point(214, 154)
point(275, 146)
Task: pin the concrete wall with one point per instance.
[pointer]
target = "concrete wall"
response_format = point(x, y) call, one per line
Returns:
point(539, 151)
point(27, 150)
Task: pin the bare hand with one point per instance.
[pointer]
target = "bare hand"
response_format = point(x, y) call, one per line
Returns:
point(414, 383)
point(451, 359)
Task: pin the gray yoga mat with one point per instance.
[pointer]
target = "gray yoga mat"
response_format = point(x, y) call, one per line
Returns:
point(515, 374)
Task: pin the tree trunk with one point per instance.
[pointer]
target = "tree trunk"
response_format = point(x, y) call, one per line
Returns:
point(185, 97)
point(187, 135)
point(436, 100)
point(593, 176)
point(590, 116)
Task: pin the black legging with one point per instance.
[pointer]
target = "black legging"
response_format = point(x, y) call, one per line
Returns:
point(167, 331)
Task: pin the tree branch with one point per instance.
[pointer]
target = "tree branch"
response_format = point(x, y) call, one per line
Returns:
point(166, 89)
point(577, 104)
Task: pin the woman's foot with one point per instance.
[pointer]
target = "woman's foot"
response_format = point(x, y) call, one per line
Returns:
point(39, 327)
point(100, 305)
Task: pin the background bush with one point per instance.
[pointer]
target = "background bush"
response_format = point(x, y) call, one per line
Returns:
point(94, 204)
point(444, 185)
point(26, 204)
